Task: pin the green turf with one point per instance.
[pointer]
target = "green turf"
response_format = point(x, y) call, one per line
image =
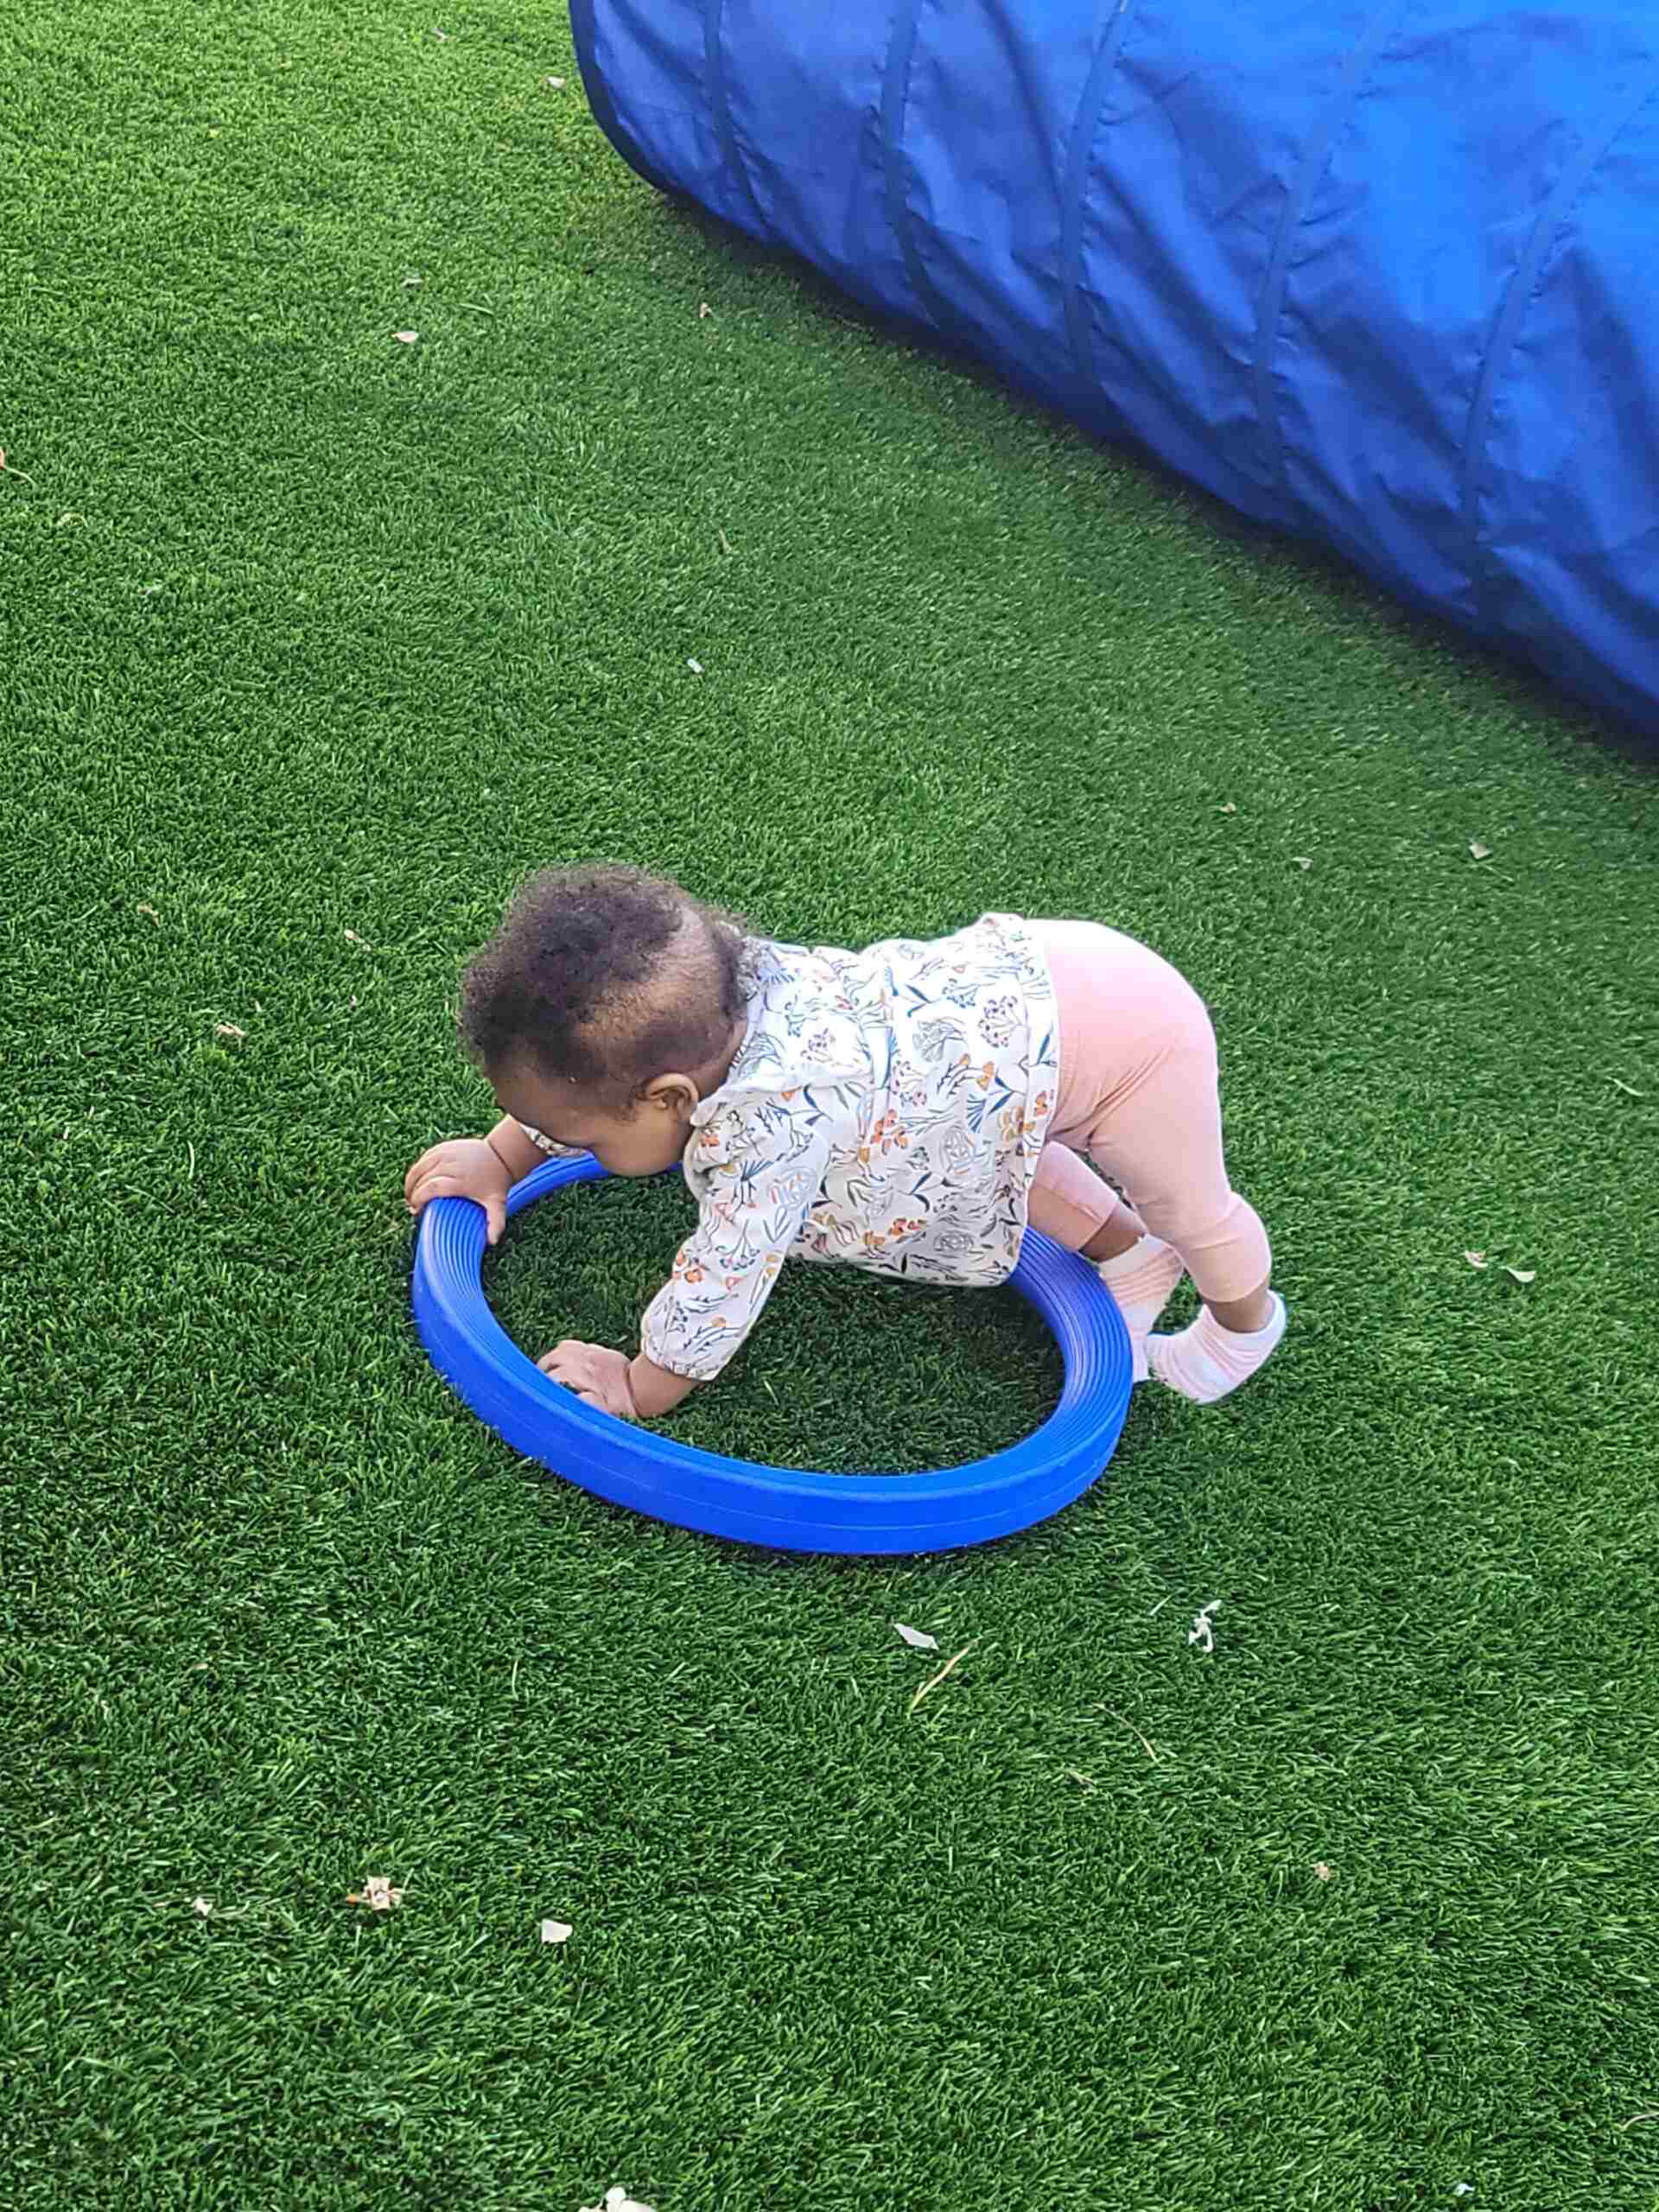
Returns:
point(312, 643)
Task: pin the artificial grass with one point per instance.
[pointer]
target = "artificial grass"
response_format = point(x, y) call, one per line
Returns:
point(315, 642)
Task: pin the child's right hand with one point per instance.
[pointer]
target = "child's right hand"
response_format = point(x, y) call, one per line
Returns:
point(462, 1167)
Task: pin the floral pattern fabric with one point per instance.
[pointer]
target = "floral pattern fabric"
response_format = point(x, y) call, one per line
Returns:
point(886, 1110)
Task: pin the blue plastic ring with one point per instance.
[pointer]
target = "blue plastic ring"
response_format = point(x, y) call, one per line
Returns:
point(777, 1507)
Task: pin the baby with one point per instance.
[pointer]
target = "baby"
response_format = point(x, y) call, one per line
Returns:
point(909, 1109)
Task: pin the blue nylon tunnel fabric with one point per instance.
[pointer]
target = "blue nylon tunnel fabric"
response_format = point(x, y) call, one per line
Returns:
point(1383, 276)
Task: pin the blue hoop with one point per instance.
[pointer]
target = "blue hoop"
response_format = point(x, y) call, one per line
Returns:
point(777, 1507)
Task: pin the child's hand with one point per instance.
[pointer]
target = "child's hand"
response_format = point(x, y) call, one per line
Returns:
point(464, 1167)
point(601, 1377)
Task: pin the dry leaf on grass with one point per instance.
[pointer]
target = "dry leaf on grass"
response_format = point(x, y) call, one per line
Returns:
point(203, 1906)
point(376, 1892)
point(351, 937)
point(556, 1931)
point(1322, 1870)
point(703, 311)
point(1228, 808)
point(406, 337)
point(1478, 1259)
point(144, 907)
point(229, 1029)
point(555, 84)
point(1303, 859)
point(916, 1639)
point(1523, 1275)
point(1479, 851)
point(1202, 1631)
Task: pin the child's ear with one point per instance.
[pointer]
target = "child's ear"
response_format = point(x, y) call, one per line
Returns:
point(675, 1094)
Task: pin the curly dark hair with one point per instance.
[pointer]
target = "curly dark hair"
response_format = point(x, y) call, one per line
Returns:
point(605, 975)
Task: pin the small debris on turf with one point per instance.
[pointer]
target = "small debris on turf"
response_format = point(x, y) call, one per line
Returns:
point(203, 1906)
point(554, 83)
point(67, 515)
point(1322, 1870)
point(1478, 1259)
point(696, 667)
point(377, 1893)
point(1522, 1275)
point(556, 1931)
point(1202, 1631)
point(351, 937)
point(725, 546)
point(1228, 808)
point(1304, 860)
point(1629, 1090)
point(406, 337)
point(410, 283)
point(440, 35)
point(915, 1638)
point(229, 1029)
point(932, 1683)
point(144, 907)
point(703, 311)
point(1479, 851)
point(617, 2200)
point(1124, 1722)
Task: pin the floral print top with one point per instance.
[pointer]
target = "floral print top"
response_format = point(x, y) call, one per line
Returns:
point(885, 1109)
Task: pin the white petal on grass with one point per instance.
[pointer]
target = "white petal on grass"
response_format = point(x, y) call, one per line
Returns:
point(406, 337)
point(554, 83)
point(1479, 851)
point(617, 2200)
point(1478, 1259)
point(1202, 1631)
point(696, 667)
point(1523, 1275)
point(203, 1906)
point(916, 1639)
point(378, 1892)
point(556, 1931)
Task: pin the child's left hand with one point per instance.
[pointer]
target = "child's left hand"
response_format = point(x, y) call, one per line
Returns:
point(599, 1377)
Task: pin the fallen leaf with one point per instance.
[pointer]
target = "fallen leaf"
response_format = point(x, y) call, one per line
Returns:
point(703, 313)
point(146, 908)
point(1304, 859)
point(915, 1638)
point(557, 83)
point(1322, 1870)
point(1523, 1275)
point(378, 1892)
point(1228, 808)
point(406, 337)
point(1479, 851)
point(1202, 1631)
point(1478, 1259)
point(949, 1668)
point(229, 1029)
point(556, 1931)
point(351, 937)
point(203, 1905)
point(67, 515)
point(696, 667)
point(617, 2200)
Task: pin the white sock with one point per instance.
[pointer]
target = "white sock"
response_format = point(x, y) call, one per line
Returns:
point(1205, 1362)
point(1142, 1280)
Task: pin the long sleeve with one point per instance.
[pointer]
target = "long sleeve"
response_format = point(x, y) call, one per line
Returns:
point(758, 1172)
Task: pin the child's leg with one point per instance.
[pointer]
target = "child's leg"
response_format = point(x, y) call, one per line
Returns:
point(1139, 1060)
point(1071, 1204)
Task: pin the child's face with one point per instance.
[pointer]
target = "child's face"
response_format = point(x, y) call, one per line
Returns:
point(645, 1141)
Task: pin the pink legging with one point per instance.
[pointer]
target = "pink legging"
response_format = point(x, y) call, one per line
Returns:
point(1139, 1094)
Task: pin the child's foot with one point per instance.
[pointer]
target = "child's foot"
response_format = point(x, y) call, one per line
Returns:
point(1205, 1362)
point(1142, 1280)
